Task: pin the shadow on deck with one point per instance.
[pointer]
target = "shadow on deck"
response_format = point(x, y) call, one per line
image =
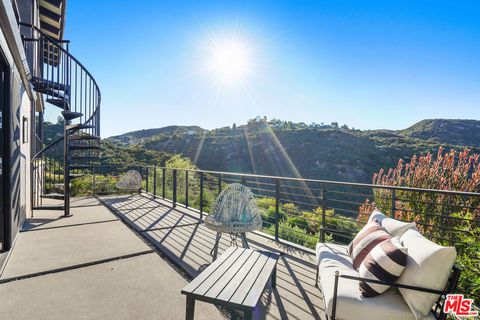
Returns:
point(180, 234)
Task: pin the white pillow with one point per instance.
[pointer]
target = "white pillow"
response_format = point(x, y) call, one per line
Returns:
point(428, 266)
point(395, 228)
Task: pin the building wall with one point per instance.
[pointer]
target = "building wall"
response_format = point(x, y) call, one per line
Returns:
point(20, 136)
point(19, 153)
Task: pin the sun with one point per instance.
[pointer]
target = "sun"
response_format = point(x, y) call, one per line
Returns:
point(229, 61)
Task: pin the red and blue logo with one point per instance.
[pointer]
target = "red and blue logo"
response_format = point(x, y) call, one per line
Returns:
point(458, 305)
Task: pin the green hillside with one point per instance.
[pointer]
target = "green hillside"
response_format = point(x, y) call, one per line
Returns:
point(137, 137)
point(292, 149)
point(114, 153)
point(456, 132)
point(285, 148)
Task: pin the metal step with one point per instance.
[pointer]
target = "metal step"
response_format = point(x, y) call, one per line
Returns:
point(83, 147)
point(79, 126)
point(59, 102)
point(49, 208)
point(70, 115)
point(83, 137)
point(57, 196)
point(40, 84)
point(54, 93)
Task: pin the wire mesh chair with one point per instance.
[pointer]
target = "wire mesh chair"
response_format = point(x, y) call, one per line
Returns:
point(130, 181)
point(235, 212)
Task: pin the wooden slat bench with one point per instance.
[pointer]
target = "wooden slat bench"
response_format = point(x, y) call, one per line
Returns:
point(235, 280)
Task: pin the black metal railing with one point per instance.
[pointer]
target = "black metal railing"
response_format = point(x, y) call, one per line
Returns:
point(306, 211)
point(303, 212)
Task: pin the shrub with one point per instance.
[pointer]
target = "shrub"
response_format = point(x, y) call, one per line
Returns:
point(299, 222)
point(344, 228)
point(294, 234)
point(265, 203)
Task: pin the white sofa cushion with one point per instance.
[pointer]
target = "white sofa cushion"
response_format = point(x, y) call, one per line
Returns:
point(385, 263)
point(365, 240)
point(428, 266)
point(351, 305)
point(395, 228)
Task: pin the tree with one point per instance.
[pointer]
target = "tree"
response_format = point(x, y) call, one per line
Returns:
point(234, 127)
point(345, 127)
point(334, 125)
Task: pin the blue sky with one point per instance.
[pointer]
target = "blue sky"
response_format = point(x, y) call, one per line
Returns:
point(369, 64)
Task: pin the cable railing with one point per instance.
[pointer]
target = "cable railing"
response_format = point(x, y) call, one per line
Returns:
point(305, 211)
point(302, 212)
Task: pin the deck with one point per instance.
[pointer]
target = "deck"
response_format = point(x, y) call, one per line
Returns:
point(130, 261)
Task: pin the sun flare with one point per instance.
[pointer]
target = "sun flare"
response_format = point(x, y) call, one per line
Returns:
point(229, 61)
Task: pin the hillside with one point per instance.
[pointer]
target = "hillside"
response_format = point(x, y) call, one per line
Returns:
point(455, 132)
point(285, 148)
point(114, 153)
point(137, 137)
point(314, 151)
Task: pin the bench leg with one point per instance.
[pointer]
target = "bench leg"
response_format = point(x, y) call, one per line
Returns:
point(189, 312)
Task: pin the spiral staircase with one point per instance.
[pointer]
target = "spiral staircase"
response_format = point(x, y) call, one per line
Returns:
point(65, 84)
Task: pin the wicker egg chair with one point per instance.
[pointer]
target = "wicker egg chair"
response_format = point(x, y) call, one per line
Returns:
point(235, 212)
point(130, 181)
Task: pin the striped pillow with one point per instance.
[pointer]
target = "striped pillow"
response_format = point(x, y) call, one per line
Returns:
point(385, 262)
point(365, 240)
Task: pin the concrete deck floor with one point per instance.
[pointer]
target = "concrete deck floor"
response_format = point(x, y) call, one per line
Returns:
point(89, 266)
point(179, 234)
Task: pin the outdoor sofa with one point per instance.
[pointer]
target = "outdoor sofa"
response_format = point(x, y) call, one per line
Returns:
point(418, 294)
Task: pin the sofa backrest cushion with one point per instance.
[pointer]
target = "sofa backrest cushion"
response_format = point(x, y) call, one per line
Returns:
point(385, 262)
point(395, 228)
point(365, 240)
point(428, 266)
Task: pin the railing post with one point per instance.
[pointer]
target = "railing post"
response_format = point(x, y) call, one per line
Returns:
point(392, 208)
point(154, 181)
point(174, 197)
point(277, 206)
point(164, 171)
point(66, 171)
point(32, 188)
point(94, 187)
point(323, 203)
point(201, 195)
point(186, 188)
point(244, 180)
point(219, 183)
point(146, 180)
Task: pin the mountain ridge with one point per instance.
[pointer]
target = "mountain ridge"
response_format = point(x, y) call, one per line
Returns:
point(295, 149)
